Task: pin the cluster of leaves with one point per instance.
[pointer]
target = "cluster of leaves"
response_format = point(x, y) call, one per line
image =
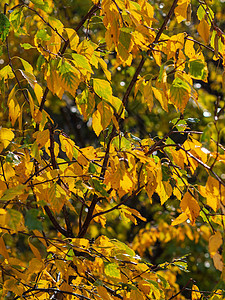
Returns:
point(60, 199)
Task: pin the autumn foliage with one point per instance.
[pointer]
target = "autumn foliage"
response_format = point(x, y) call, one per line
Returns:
point(112, 160)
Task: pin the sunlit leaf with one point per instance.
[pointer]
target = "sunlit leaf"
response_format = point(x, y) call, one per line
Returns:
point(180, 93)
point(102, 88)
point(112, 270)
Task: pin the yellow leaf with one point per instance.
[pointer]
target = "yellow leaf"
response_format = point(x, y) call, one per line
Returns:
point(129, 214)
point(96, 122)
point(68, 146)
point(102, 117)
point(14, 108)
point(118, 177)
point(81, 243)
point(58, 84)
point(180, 219)
point(190, 206)
point(189, 49)
point(103, 89)
point(215, 241)
point(6, 135)
point(6, 72)
point(164, 190)
point(3, 187)
point(104, 68)
point(38, 92)
point(181, 10)
point(56, 196)
point(99, 219)
point(161, 98)
point(42, 137)
point(213, 192)
point(148, 95)
point(27, 66)
point(195, 294)
point(35, 251)
point(204, 30)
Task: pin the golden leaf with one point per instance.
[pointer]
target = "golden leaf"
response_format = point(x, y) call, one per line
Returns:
point(181, 10)
point(215, 241)
point(204, 30)
point(148, 95)
point(180, 219)
point(6, 135)
point(190, 206)
point(195, 294)
point(189, 49)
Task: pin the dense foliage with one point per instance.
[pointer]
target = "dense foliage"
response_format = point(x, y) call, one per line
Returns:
point(112, 163)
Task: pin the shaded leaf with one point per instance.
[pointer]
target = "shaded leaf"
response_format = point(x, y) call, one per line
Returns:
point(4, 27)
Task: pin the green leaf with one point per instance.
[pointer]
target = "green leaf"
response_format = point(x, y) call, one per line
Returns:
point(112, 270)
point(207, 134)
point(1, 50)
point(180, 93)
point(11, 193)
point(41, 4)
point(29, 77)
point(31, 220)
point(85, 103)
point(166, 174)
point(37, 2)
point(4, 27)
point(64, 67)
point(181, 265)
point(43, 35)
point(121, 143)
point(202, 11)
point(26, 46)
point(16, 18)
point(40, 62)
point(125, 39)
point(198, 69)
point(121, 246)
point(100, 187)
point(164, 281)
point(81, 62)
point(92, 168)
point(103, 89)
point(14, 218)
